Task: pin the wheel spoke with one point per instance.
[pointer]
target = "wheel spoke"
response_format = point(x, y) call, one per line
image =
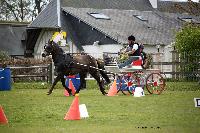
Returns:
point(155, 83)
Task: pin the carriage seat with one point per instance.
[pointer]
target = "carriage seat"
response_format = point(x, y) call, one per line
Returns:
point(136, 64)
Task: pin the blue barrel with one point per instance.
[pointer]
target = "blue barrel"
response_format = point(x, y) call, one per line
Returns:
point(75, 80)
point(5, 79)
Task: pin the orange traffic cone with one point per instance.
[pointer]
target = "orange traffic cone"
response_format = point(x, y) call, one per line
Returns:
point(66, 93)
point(3, 119)
point(71, 86)
point(113, 89)
point(73, 112)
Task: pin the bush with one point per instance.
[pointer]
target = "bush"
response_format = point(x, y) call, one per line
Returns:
point(188, 45)
point(4, 57)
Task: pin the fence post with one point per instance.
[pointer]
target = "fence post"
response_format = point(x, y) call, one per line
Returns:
point(175, 66)
point(158, 59)
point(51, 73)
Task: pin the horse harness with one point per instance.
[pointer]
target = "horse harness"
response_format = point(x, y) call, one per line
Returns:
point(65, 62)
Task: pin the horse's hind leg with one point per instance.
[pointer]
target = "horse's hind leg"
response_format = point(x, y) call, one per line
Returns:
point(83, 81)
point(96, 75)
point(64, 85)
point(103, 74)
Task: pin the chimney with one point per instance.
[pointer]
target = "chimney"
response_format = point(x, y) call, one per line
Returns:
point(154, 3)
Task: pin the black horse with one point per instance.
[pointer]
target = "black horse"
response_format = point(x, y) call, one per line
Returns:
point(66, 64)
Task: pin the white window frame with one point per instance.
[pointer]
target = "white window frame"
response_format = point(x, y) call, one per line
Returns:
point(99, 16)
point(140, 17)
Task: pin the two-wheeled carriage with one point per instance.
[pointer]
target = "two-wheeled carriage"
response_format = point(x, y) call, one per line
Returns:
point(129, 78)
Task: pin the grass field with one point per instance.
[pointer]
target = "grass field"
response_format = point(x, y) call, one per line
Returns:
point(30, 110)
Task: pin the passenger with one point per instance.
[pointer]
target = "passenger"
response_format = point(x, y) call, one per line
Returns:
point(144, 57)
point(58, 36)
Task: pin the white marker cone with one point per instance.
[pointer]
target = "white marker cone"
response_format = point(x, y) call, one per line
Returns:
point(139, 92)
point(83, 111)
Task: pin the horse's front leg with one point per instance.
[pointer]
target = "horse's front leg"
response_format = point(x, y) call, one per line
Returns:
point(64, 85)
point(54, 83)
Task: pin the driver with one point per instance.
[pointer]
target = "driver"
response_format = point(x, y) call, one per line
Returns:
point(132, 50)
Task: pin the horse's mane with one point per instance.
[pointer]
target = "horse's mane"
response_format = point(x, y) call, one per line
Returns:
point(60, 50)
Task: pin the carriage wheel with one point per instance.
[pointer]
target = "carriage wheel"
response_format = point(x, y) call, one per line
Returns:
point(120, 86)
point(119, 82)
point(155, 83)
point(129, 83)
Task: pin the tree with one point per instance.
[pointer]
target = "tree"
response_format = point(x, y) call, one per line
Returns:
point(38, 6)
point(192, 8)
point(21, 10)
point(188, 45)
point(188, 39)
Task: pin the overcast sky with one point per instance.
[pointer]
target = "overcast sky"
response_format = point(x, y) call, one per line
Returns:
point(181, 0)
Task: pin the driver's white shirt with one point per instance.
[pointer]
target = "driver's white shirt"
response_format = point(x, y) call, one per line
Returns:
point(135, 46)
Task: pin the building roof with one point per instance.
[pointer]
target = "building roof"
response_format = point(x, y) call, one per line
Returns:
point(12, 36)
point(143, 5)
point(156, 28)
point(47, 18)
point(16, 23)
point(179, 7)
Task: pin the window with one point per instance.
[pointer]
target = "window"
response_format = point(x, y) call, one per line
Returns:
point(140, 17)
point(99, 16)
point(188, 19)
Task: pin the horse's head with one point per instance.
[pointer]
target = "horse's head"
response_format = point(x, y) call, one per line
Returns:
point(50, 48)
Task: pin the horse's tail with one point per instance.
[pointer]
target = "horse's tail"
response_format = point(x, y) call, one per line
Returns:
point(103, 73)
